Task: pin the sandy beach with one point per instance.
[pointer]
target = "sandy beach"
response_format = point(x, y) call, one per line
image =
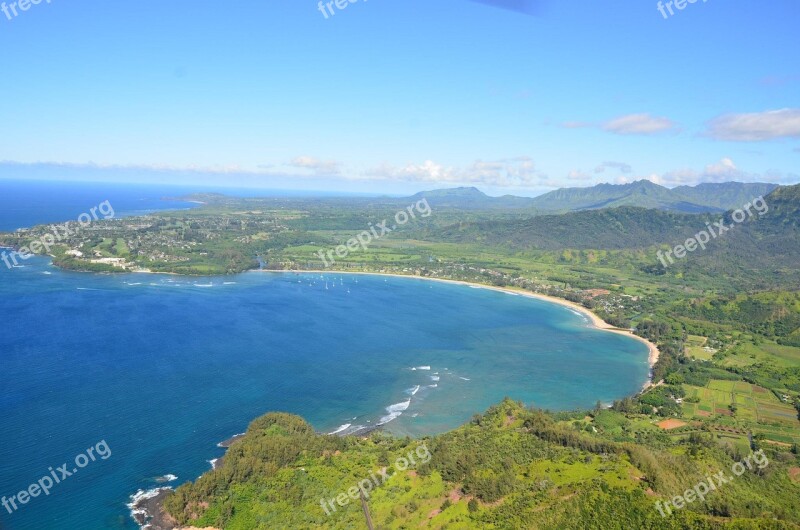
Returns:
point(596, 321)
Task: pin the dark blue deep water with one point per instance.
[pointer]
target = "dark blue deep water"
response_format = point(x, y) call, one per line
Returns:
point(24, 204)
point(163, 367)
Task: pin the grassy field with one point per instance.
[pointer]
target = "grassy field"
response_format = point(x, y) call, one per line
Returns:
point(747, 353)
point(695, 348)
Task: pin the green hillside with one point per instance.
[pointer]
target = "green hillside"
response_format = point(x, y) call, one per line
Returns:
point(509, 468)
point(613, 228)
point(725, 196)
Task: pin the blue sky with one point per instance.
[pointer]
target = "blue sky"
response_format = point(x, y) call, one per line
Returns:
point(397, 96)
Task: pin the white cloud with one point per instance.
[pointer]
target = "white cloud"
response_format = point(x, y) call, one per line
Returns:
point(723, 171)
point(639, 124)
point(653, 177)
point(756, 126)
point(428, 171)
point(519, 173)
point(621, 166)
point(577, 174)
point(630, 124)
point(679, 177)
point(319, 167)
point(513, 172)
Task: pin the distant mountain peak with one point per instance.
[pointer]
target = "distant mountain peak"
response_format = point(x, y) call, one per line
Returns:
point(471, 198)
point(464, 191)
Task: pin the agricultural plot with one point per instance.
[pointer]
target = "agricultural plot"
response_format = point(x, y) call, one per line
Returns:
point(726, 386)
point(745, 407)
point(785, 435)
point(752, 404)
point(777, 414)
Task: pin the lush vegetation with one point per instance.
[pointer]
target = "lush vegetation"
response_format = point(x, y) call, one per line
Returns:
point(509, 468)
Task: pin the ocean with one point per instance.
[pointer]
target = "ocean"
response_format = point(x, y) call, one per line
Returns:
point(161, 368)
point(24, 204)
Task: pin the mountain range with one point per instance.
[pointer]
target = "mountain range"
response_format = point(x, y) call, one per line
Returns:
point(703, 198)
point(765, 247)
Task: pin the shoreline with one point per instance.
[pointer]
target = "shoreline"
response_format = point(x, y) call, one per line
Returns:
point(595, 321)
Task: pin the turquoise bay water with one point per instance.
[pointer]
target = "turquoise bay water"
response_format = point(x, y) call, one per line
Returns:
point(162, 368)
